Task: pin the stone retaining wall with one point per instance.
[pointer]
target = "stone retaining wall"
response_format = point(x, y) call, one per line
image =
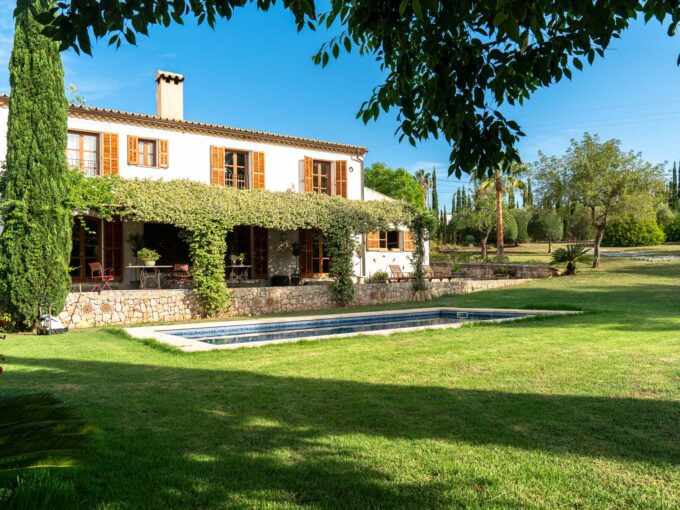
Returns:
point(124, 307)
point(485, 271)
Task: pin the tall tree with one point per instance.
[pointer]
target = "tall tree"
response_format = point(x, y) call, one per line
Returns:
point(511, 199)
point(673, 201)
point(528, 200)
point(603, 178)
point(424, 180)
point(435, 195)
point(397, 183)
point(448, 65)
point(35, 245)
point(504, 179)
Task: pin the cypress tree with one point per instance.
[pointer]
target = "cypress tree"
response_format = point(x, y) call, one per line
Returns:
point(529, 200)
point(511, 199)
point(674, 187)
point(35, 245)
point(435, 195)
point(443, 228)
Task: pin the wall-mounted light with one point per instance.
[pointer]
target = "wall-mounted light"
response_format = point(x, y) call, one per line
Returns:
point(351, 169)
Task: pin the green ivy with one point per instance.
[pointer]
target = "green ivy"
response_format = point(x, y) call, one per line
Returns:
point(208, 213)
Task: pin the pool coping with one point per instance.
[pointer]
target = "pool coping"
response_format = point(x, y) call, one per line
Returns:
point(158, 333)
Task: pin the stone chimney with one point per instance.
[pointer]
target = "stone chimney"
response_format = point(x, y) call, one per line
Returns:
point(169, 95)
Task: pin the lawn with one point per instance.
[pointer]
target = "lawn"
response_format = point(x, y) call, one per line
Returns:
point(564, 412)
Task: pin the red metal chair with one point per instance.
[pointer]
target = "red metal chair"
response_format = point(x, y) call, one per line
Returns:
point(180, 274)
point(100, 277)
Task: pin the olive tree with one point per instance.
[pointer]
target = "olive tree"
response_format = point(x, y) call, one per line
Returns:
point(605, 180)
point(546, 225)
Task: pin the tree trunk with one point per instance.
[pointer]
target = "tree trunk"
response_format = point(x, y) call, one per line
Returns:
point(499, 218)
point(596, 246)
point(549, 245)
point(485, 242)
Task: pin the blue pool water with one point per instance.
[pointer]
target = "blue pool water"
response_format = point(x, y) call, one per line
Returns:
point(340, 325)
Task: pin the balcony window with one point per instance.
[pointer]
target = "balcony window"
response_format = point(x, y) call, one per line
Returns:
point(82, 153)
point(321, 177)
point(235, 168)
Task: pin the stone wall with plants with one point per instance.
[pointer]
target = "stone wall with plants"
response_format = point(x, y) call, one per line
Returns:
point(120, 308)
point(207, 213)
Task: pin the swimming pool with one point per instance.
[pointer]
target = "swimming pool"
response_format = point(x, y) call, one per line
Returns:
point(251, 333)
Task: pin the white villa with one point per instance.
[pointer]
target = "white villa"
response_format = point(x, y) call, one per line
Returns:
point(166, 146)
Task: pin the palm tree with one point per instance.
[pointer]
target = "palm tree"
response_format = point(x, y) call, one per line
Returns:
point(571, 254)
point(425, 180)
point(504, 179)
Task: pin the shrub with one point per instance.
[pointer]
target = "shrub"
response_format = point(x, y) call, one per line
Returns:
point(379, 277)
point(672, 230)
point(664, 215)
point(546, 225)
point(580, 226)
point(522, 217)
point(632, 231)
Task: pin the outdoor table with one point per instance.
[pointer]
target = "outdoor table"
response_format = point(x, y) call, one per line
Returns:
point(145, 272)
point(238, 272)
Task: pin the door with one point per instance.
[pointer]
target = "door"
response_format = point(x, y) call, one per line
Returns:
point(260, 252)
point(314, 260)
point(85, 247)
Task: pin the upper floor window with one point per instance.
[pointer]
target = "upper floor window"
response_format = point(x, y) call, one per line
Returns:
point(236, 169)
point(82, 152)
point(146, 152)
point(321, 177)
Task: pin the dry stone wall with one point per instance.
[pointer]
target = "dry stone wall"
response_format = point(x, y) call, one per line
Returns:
point(125, 307)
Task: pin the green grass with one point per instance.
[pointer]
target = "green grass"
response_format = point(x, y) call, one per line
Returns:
point(567, 412)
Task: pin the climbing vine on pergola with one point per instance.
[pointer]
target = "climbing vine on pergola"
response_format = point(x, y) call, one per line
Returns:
point(209, 213)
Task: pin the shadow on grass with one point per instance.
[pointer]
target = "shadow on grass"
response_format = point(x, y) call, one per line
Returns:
point(179, 437)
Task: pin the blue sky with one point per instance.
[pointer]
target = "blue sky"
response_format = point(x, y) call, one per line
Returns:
point(255, 71)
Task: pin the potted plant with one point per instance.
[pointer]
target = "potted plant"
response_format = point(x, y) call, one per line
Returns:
point(379, 277)
point(148, 256)
point(241, 258)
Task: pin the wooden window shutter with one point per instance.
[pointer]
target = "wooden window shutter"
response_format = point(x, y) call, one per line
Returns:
point(309, 171)
point(258, 170)
point(373, 241)
point(217, 166)
point(163, 160)
point(409, 245)
point(133, 150)
point(341, 178)
point(110, 154)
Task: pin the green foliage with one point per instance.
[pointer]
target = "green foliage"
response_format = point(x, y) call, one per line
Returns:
point(397, 183)
point(672, 230)
point(546, 225)
point(448, 65)
point(580, 225)
point(522, 217)
point(569, 255)
point(35, 245)
point(37, 430)
point(664, 215)
point(421, 225)
point(379, 277)
point(148, 255)
point(632, 231)
point(208, 213)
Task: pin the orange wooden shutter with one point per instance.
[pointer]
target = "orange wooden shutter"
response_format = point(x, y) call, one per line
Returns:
point(309, 170)
point(217, 166)
point(110, 154)
point(409, 245)
point(373, 241)
point(258, 170)
point(163, 160)
point(341, 178)
point(133, 150)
